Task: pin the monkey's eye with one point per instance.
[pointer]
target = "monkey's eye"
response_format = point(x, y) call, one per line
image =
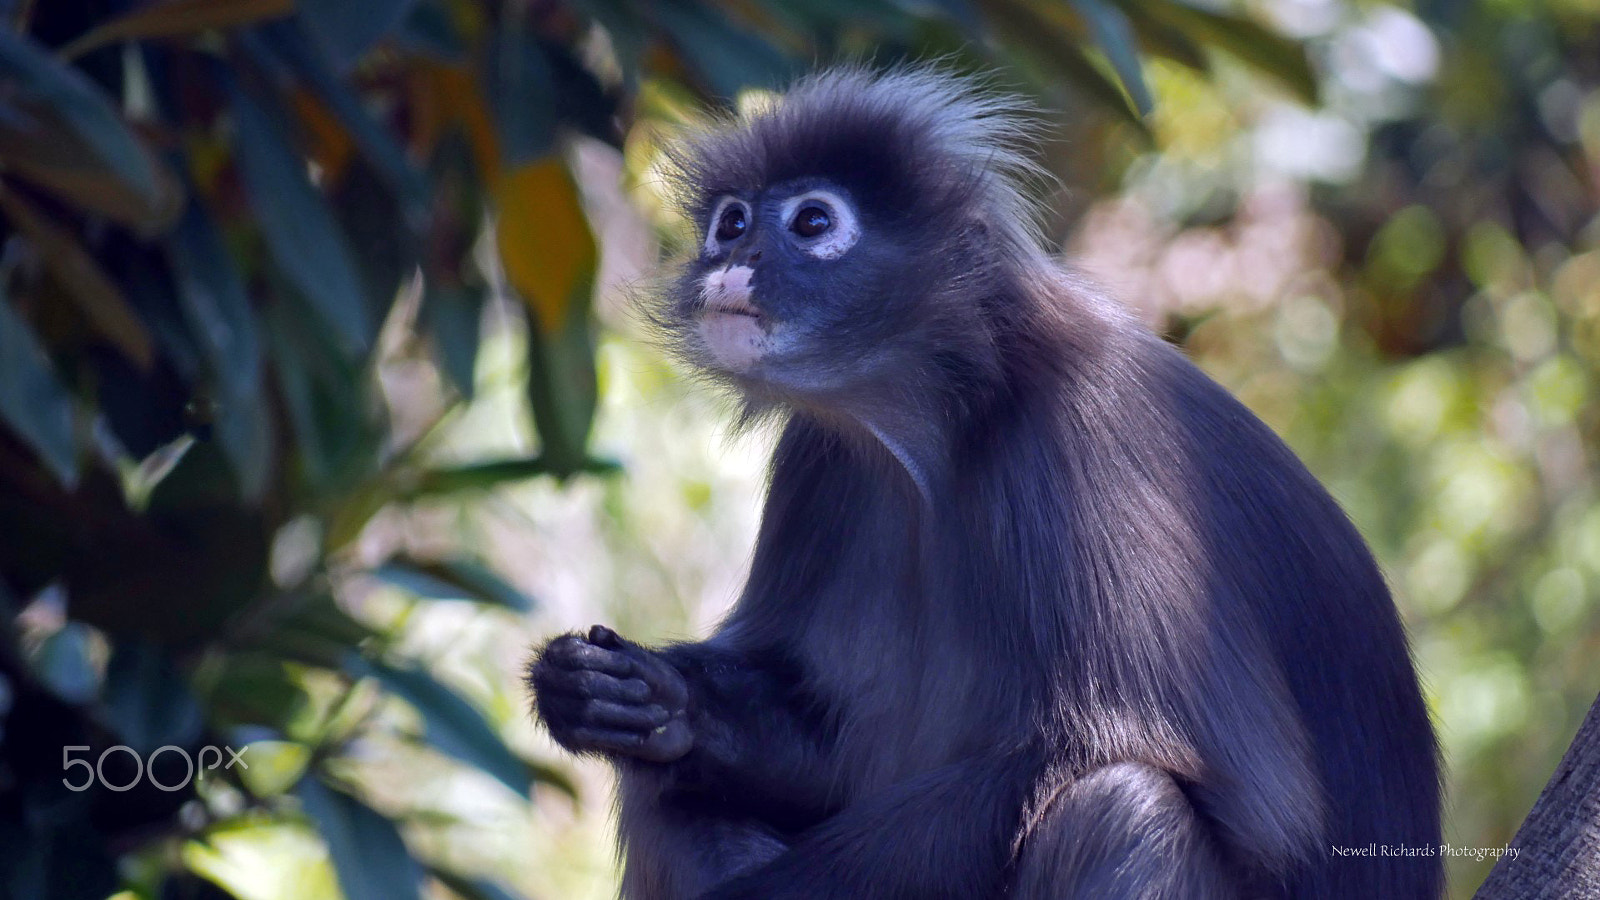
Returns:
point(811, 221)
point(732, 223)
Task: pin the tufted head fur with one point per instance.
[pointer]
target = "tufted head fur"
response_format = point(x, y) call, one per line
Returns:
point(893, 317)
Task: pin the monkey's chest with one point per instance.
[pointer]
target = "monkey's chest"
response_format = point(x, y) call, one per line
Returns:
point(904, 688)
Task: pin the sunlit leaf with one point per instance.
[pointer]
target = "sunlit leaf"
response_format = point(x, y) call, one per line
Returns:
point(300, 232)
point(549, 257)
point(257, 858)
point(348, 29)
point(452, 579)
point(77, 272)
point(41, 77)
point(452, 724)
point(368, 853)
point(176, 18)
point(32, 401)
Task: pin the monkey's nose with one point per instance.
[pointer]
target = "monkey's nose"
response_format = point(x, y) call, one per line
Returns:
point(744, 257)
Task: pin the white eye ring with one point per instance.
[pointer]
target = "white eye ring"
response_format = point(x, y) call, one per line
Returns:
point(833, 243)
point(711, 244)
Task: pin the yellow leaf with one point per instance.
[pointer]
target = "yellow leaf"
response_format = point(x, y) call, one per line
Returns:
point(82, 278)
point(175, 18)
point(543, 237)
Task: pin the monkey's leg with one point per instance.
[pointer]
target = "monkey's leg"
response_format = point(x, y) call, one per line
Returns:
point(675, 847)
point(945, 834)
point(1123, 831)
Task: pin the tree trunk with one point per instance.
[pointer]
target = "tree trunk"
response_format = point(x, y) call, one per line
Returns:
point(1559, 843)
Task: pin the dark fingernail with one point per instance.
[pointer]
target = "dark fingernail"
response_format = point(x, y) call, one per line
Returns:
point(603, 636)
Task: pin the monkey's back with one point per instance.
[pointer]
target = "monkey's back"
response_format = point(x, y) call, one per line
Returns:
point(1264, 559)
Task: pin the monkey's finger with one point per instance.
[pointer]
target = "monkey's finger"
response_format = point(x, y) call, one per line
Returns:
point(602, 636)
point(606, 740)
point(608, 715)
point(580, 654)
point(590, 684)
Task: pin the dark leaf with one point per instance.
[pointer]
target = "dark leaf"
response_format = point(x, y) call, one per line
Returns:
point(1114, 34)
point(347, 29)
point(489, 475)
point(288, 42)
point(452, 579)
point(1250, 41)
point(368, 852)
point(453, 316)
point(146, 701)
point(300, 231)
point(472, 888)
point(453, 725)
point(522, 94)
point(727, 57)
point(40, 76)
point(174, 18)
point(81, 277)
point(219, 315)
point(62, 663)
point(32, 401)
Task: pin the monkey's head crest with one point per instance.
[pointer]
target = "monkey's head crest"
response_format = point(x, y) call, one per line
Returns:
point(852, 229)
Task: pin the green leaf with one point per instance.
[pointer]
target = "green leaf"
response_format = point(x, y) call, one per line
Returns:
point(300, 231)
point(38, 75)
point(452, 579)
point(32, 402)
point(368, 852)
point(1251, 42)
point(728, 58)
point(346, 29)
point(1113, 32)
point(218, 313)
point(453, 725)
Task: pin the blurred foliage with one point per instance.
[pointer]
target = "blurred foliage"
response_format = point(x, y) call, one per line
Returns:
point(226, 222)
point(264, 261)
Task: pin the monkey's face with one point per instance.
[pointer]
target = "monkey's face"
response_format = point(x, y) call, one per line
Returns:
point(792, 289)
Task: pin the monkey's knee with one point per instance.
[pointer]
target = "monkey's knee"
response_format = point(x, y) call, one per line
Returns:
point(1123, 831)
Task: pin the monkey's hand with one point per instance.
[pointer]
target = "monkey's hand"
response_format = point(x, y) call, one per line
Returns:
point(603, 694)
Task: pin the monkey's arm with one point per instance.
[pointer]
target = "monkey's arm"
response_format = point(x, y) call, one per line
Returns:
point(691, 719)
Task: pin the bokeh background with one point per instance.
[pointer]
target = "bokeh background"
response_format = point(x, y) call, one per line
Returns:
point(321, 401)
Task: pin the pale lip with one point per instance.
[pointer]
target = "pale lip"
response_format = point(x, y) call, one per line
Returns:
point(730, 324)
point(730, 306)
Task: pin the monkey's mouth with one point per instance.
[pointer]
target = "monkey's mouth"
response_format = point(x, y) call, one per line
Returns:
point(731, 306)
